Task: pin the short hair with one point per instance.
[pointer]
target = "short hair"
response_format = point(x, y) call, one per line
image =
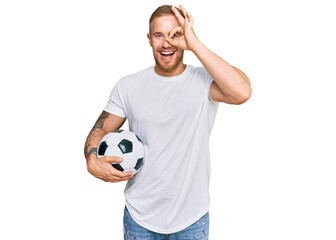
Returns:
point(162, 11)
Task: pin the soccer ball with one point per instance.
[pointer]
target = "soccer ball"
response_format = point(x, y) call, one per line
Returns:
point(124, 144)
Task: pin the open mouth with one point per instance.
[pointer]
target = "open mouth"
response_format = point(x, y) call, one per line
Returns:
point(167, 55)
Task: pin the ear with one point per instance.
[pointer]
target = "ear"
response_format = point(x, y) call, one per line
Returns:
point(149, 39)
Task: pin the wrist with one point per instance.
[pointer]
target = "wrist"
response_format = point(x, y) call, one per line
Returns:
point(90, 163)
point(91, 159)
point(197, 46)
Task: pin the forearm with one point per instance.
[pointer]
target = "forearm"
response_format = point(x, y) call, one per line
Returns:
point(101, 168)
point(94, 137)
point(92, 142)
point(228, 79)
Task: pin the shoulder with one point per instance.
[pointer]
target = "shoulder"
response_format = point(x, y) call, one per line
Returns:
point(133, 78)
point(201, 75)
point(135, 75)
point(199, 71)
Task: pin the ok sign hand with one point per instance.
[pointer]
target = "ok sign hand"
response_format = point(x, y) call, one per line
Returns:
point(183, 36)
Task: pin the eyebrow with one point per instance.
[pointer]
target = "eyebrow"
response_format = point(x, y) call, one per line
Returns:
point(157, 33)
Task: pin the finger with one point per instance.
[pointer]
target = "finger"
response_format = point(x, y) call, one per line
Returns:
point(120, 174)
point(176, 30)
point(183, 10)
point(190, 18)
point(186, 21)
point(178, 15)
point(113, 159)
point(109, 177)
point(128, 175)
point(113, 178)
point(124, 178)
point(171, 41)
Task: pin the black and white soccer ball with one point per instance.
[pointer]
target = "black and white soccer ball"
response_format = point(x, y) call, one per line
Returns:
point(124, 144)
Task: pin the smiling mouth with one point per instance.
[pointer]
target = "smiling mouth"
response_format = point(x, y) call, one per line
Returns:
point(167, 55)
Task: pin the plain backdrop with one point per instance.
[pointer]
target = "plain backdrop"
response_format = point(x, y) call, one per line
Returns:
point(273, 158)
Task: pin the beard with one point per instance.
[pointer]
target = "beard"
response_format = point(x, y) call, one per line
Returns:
point(171, 66)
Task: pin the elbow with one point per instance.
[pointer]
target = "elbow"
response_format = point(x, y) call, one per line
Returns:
point(244, 96)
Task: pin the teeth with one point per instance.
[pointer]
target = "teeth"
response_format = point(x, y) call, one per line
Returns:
point(166, 53)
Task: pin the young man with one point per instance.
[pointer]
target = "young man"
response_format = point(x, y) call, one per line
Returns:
point(172, 108)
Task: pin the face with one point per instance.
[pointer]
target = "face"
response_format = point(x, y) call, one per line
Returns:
point(168, 58)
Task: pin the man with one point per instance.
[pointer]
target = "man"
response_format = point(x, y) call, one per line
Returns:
point(172, 108)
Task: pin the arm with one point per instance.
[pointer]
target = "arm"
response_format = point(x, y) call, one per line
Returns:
point(231, 84)
point(102, 167)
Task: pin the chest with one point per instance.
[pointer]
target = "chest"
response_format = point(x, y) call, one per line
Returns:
point(160, 104)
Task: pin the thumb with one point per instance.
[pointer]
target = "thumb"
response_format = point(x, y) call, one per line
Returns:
point(113, 159)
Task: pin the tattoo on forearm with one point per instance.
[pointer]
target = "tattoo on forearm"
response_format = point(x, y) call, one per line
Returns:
point(100, 122)
point(98, 125)
point(88, 152)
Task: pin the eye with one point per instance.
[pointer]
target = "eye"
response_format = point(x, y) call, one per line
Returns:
point(158, 35)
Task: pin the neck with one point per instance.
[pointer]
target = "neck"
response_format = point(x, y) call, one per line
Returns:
point(170, 73)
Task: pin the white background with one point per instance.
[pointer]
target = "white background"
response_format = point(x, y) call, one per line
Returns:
point(273, 158)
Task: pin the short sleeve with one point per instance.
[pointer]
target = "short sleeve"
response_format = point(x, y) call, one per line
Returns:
point(208, 90)
point(114, 104)
point(208, 81)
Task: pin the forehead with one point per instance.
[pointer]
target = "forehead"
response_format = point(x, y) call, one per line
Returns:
point(164, 24)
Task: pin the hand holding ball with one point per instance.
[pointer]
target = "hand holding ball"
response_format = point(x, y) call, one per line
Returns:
point(126, 145)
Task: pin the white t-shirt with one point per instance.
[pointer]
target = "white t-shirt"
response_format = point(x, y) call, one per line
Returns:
point(173, 116)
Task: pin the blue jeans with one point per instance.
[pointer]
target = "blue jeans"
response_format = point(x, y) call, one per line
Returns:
point(199, 230)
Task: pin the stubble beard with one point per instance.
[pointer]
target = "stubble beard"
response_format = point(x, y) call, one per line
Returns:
point(169, 67)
